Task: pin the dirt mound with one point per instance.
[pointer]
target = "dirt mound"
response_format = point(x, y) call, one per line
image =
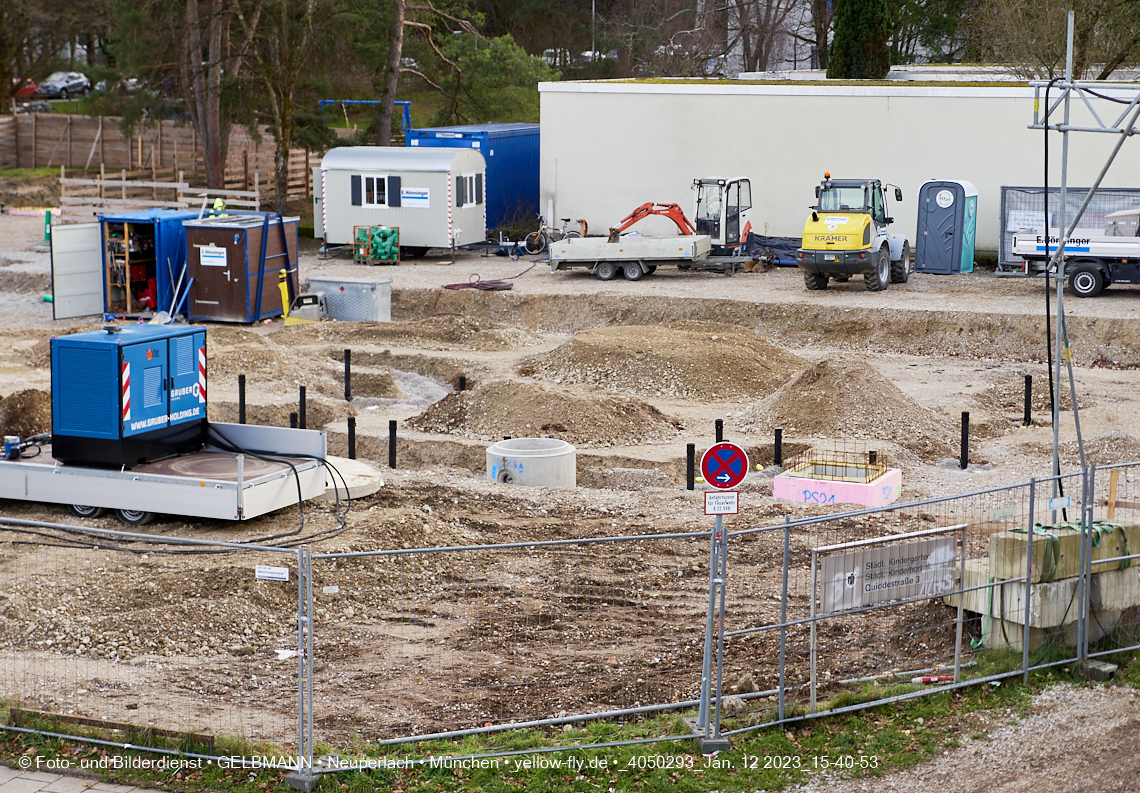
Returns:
point(440, 331)
point(25, 413)
point(318, 412)
point(687, 360)
point(234, 351)
point(1115, 447)
point(525, 410)
point(39, 355)
point(1009, 396)
point(24, 282)
point(30, 191)
point(848, 398)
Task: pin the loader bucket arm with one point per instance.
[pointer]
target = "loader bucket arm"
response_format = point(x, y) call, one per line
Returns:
point(671, 211)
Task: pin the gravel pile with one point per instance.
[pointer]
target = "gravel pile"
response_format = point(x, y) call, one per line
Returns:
point(527, 410)
point(848, 398)
point(690, 360)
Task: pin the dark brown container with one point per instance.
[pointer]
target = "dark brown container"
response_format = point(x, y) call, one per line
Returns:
point(235, 261)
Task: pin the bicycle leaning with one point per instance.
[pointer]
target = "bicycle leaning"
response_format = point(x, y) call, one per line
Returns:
point(538, 241)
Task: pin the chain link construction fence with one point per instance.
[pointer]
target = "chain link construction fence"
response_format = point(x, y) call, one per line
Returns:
point(369, 654)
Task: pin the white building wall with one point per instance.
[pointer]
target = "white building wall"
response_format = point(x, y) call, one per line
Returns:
point(608, 147)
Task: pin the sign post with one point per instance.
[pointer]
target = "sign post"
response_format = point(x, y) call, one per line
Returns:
point(723, 466)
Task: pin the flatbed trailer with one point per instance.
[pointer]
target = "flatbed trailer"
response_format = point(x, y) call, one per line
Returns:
point(212, 483)
point(1093, 262)
point(634, 256)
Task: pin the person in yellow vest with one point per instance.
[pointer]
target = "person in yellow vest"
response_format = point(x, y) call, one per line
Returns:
point(220, 207)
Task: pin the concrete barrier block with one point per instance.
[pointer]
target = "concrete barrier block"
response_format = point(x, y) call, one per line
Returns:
point(1011, 635)
point(1116, 589)
point(1007, 554)
point(1119, 542)
point(1051, 603)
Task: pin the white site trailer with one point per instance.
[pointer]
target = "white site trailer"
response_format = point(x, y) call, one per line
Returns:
point(434, 196)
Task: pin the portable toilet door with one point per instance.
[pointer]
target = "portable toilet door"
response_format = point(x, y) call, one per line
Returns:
point(947, 226)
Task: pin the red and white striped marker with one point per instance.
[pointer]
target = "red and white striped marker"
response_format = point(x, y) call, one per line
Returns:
point(126, 392)
point(202, 375)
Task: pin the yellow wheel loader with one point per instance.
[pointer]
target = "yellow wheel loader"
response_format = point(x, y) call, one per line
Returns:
point(847, 235)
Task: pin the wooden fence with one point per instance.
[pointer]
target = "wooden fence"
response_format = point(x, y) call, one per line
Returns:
point(83, 200)
point(49, 140)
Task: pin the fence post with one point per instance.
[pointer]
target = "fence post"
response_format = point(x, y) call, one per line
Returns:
point(690, 465)
point(811, 639)
point(348, 375)
point(241, 399)
point(961, 605)
point(965, 461)
point(1028, 579)
point(706, 663)
point(784, 612)
point(1027, 419)
point(717, 743)
point(1082, 589)
point(303, 777)
point(391, 443)
point(1087, 508)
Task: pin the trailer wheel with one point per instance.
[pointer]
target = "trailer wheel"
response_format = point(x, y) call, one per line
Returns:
point(900, 270)
point(1086, 281)
point(87, 512)
point(815, 281)
point(633, 272)
point(880, 277)
point(134, 517)
point(605, 271)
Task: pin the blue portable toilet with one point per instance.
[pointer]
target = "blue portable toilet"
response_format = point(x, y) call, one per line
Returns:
point(144, 256)
point(947, 226)
point(511, 153)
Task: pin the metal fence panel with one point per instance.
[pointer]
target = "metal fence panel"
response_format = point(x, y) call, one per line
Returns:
point(1023, 208)
point(114, 634)
point(435, 641)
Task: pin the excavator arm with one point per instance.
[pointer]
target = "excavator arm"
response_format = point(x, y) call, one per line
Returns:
point(671, 211)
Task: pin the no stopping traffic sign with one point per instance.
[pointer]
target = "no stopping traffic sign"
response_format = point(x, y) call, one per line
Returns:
point(724, 465)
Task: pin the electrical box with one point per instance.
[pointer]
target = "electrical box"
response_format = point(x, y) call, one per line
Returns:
point(125, 396)
point(355, 299)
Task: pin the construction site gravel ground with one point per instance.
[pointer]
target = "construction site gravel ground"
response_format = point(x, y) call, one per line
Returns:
point(630, 372)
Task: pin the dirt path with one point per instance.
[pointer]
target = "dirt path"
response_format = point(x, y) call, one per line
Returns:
point(1077, 740)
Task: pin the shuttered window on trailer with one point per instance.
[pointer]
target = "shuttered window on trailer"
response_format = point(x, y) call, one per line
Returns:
point(469, 190)
point(375, 190)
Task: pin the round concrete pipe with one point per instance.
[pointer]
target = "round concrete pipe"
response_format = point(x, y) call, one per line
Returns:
point(533, 462)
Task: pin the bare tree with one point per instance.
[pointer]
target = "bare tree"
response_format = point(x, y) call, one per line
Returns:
point(1028, 36)
point(761, 31)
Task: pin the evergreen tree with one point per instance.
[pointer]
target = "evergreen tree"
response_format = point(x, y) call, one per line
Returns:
point(859, 48)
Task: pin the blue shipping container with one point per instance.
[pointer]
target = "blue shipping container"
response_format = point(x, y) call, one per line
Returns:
point(158, 244)
point(511, 152)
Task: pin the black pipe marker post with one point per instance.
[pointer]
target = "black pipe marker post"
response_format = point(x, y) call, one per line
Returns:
point(1027, 419)
point(241, 399)
point(292, 421)
point(720, 430)
point(965, 439)
point(348, 375)
point(392, 443)
point(462, 382)
point(778, 448)
point(872, 457)
point(690, 465)
point(352, 437)
point(301, 409)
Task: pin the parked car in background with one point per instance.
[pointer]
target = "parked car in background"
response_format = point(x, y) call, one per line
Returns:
point(25, 91)
point(34, 107)
point(64, 85)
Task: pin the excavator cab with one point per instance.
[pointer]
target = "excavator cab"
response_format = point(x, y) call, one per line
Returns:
point(722, 210)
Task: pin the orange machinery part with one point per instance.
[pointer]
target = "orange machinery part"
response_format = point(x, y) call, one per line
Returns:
point(671, 211)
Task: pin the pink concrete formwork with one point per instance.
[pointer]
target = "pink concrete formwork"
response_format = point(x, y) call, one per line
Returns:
point(877, 493)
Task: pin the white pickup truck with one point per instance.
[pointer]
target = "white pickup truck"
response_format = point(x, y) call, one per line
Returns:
point(1095, 261)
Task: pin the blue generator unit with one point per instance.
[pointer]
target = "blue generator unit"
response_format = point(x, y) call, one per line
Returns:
point(511, 154)
point(125, 396)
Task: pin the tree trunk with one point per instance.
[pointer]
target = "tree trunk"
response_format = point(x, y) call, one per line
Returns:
point(198, 79)
point(391, 73)
point(281, 153)
point(212, 134)
point(820, 24)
